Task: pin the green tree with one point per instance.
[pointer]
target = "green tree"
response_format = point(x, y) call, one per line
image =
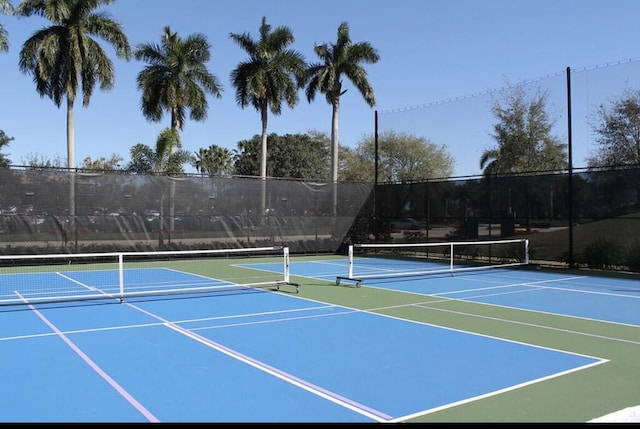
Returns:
point(221, 160)
point(617, 134)
point(402, 158)
point(294, 156)
point(37, 161)
point(355, 166)
point(201, 159)
point(246, 157)
point(102, 163)
point(273, 73)
point(4, 141)
point(5, 8)
point(523, 134)
point(343, 58)
point(617, 131)
point(64, 58)
point(167, 157)
point(213, 161)
point(177, 79)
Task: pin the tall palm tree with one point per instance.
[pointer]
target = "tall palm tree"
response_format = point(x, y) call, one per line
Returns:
point(177, 79)
point(339, 59)
point(65, 58)
point(66, 61)
point(6, 8)
point(273, 73)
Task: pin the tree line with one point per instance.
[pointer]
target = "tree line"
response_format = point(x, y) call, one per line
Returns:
point(66, 63)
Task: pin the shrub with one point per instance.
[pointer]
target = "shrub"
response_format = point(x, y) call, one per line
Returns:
point(602, 253)
point(632, 256)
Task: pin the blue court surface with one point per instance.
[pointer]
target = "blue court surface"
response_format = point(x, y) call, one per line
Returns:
point(271, 356)
point(598, 298)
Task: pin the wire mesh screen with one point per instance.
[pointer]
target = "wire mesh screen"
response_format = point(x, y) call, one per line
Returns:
point(47, 210)
point(53, 211)
point(604, 220)
point(593, 222)
point(465, 125)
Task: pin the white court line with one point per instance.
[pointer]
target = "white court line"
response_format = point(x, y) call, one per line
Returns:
point(289, 378)
point(91, 288)
point(285, 319)
point(490, 394)
point(201, 319)
point(94, 366)
point(560, 280)
point(262, 366)
point(406, 320)
point(533, 289)
point(427, 306)
point(507, 285)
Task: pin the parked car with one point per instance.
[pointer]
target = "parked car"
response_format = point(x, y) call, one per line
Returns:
point(405, 223)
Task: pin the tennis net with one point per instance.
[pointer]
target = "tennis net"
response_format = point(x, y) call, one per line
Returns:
point(388, 260)
point(118, 275)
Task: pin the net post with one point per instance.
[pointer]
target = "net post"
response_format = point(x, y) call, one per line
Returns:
point(451, 257)
point(286, 267)
point(526, 251)
point(351, 261)
point(121, 275)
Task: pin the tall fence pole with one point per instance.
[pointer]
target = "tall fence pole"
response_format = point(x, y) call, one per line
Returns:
point(375, 176)
point(570, 154)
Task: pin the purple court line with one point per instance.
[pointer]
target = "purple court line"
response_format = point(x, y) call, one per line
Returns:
point(264, 365)
point(138, 406)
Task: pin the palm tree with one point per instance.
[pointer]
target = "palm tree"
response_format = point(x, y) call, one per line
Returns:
point(213, 161)
point(221, 160)
point(166, 158)
point(272, 73)
point(201, 161)
point(6, 8)
point(343, 58)
point(176, 79)
point(64, 57)
point(4, 141)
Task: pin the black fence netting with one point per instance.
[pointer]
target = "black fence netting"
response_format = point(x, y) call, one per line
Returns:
point(592, 221)
point(53, 211)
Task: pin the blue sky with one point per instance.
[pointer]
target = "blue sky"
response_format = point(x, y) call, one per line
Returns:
point(430, 51)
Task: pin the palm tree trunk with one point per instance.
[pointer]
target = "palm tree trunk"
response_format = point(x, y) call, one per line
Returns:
point(175, 124)
point(71, 137)
point(71, 170)
point(334, 153)
point(263, 160)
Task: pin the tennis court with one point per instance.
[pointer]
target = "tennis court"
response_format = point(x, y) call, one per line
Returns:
point(273, 338)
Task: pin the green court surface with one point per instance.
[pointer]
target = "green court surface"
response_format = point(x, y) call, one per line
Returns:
point(497, 345)
point(576, 397)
